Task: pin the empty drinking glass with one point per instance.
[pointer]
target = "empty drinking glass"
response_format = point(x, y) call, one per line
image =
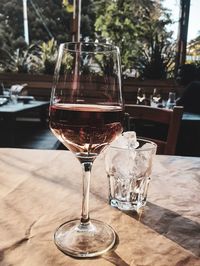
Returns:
point(171, 102)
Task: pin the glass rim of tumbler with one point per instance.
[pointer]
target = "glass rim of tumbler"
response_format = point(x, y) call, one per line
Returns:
point(153, 146)
point(106, 47)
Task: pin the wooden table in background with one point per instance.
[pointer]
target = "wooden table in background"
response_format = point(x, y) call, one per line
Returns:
point(39, 190)
point(10, 112)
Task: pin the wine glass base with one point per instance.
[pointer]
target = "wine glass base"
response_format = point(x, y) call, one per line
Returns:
point(84, 241)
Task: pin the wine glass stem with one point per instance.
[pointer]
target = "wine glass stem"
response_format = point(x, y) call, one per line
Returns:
point(86, 166)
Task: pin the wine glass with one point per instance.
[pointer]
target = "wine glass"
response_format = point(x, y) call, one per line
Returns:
point(156, 98)
point(86, 113)
point(141, 96)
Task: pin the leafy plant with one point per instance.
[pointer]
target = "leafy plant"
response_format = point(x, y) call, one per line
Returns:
point(156, 61)
point(48, 54)
point(20, 60)
point(138, 27)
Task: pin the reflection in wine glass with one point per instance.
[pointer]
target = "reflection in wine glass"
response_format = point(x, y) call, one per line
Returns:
point(86, 114)
point(141, 96)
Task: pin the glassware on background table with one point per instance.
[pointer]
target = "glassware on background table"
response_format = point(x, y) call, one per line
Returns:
point(141, 97)
point(15, 92)
point(156, 98)
point(129, 170)
point(4, 97)
point(86, 113)
point(13, 98)
point(171, 102)
point(3, 101)
point(4, 92)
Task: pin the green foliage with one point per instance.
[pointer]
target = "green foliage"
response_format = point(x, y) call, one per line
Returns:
point(193, 50)
point(157, 62)
point(53, 15)
point(88, 17)
point(138, 27)
point(48, 55)
point(68, 5)
point(36, 59)
point(157, 54)
point(20, 60)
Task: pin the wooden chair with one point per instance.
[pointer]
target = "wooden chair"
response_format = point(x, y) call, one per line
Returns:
point(170, 118)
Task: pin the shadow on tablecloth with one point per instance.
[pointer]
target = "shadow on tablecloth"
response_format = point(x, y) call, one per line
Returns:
point(172, 225)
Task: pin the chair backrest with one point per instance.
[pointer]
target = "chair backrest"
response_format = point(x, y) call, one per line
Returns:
point(171, 118)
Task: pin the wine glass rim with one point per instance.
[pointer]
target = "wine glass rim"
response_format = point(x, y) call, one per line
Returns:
point(110, 47)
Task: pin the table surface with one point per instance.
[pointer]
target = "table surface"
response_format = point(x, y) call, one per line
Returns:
point(20, 107)
point(39, 190)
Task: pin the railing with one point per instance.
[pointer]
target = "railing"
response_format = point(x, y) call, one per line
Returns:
point(39, 86)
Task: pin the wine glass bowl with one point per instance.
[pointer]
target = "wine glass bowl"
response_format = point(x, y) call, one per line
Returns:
point(87, 94)
point(86, 114)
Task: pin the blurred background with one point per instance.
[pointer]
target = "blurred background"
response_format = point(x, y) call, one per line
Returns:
point(31, 30)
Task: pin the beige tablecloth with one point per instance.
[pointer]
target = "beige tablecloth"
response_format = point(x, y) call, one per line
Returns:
point(39, 190)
